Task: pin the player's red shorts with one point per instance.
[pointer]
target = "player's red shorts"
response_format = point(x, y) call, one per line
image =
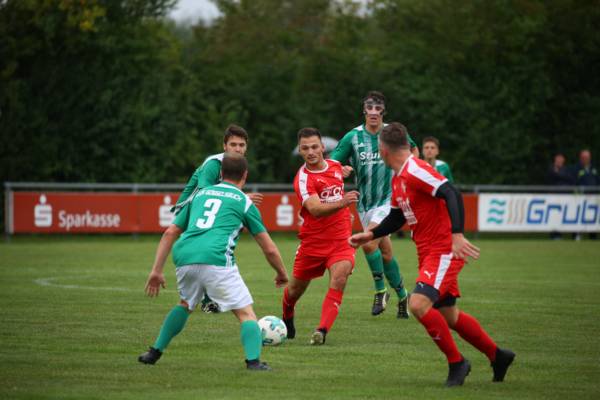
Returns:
point(312, 259)
point(440, 271)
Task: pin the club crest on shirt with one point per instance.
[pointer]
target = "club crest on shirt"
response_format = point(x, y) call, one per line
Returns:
point(338, 175)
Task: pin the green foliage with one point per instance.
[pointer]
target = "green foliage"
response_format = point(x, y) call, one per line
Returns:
point(112, 91)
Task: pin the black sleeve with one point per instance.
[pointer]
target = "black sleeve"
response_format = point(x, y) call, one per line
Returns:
point(390, 224)
point(455, 206)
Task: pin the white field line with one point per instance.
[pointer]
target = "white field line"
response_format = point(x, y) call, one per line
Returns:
point(51, 282)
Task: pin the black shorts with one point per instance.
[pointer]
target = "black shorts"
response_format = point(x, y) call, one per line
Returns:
point(434, 295)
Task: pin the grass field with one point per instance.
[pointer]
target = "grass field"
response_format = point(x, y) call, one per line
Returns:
point(74, 319)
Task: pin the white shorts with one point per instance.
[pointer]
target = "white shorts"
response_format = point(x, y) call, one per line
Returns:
point(374, 215)
point(224, 285)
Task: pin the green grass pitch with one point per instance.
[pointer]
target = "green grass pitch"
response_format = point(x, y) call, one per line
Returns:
point(74, 319)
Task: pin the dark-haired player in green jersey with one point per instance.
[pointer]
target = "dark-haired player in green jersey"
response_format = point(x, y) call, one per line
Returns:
point(235, 140)
point(205, 233)
point(373, 179)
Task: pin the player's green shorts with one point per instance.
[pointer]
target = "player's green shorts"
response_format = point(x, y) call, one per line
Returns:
point(224, 285)
point(374, 215)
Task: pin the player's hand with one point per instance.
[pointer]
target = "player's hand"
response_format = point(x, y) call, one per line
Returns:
point(358, 239)
point(350, 197)
point(347, 171)
point(155, 282)
point(256, 198)
point(462, 248)
point(281, 279)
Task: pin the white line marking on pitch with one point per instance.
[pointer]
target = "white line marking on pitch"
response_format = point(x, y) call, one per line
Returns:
point(50, 282)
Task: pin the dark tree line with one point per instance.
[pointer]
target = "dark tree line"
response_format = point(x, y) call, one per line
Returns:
point(112, 91)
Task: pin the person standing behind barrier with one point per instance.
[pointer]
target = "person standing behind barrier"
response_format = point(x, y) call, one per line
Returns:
point(431, 149)
point(586, 175)
point(558, 173)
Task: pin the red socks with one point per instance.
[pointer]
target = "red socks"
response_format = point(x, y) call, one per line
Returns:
point(288, 305)
point(469, 329)
point(438, 329)
point(331, 308)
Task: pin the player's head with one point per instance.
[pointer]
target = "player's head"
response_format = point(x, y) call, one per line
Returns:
point(431, 148)
point(310, 145)
point(374, 108)
point(234, 168)
point(235, 139)
point(393, 141)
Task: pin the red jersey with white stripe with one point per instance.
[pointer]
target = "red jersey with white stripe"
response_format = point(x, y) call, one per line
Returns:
point(413, 191)
point(328, 185)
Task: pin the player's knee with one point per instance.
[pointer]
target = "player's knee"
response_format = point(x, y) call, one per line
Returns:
point(369, 247)
point(418, 305)
point(339, 282)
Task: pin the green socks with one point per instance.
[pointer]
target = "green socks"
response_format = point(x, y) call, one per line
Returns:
point(174, 323)
point(251, 339)
point(375, 261)
point(392, 273)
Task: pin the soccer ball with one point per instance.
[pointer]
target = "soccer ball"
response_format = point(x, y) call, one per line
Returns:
point(273, 330)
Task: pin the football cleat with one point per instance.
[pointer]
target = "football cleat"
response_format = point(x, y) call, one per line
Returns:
point(210, 307)
point(380, 302)
point(257, 365)
point(151, 356)
point(457, 372)
point(318, 337)
point(504, 358)
point(403, 308)
point(291, 329)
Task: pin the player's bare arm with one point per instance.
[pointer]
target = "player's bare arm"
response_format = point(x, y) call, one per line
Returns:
point(156, 279)
point(273, 256)
point(462, 248)
point(318, 209)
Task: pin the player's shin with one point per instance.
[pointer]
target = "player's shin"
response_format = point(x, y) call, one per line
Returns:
point(438, 329)
point(288, 304)
point(251, 339)
point(394, 277)
point(375, 261)
point(470, 330)
point(173, 324)
point(330, 308)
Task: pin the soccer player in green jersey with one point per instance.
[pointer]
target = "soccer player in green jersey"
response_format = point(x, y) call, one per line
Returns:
point(373, 178)
point(431, 149)
point(235, 140)
point(204, 235)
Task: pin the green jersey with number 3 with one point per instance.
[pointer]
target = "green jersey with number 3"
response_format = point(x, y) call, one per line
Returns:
point(360, 149)
point(212, 222)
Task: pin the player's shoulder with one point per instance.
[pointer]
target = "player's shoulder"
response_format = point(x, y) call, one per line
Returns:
point(333, 163)
point(440, 163)
point(414, 165)
point(213, 158)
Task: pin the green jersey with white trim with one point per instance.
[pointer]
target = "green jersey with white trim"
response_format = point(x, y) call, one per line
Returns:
point(212, 222)
point(360, 149)
point(443, 168)
point(209, 173)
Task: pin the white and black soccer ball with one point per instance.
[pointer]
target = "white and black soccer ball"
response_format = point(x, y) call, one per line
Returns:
point(273, 330)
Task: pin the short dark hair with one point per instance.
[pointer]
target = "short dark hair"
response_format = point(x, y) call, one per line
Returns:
point(233, 166)
point(375, 95)
point(235, 130)
point(308, 132)
point(431, 139)
point(395, 136)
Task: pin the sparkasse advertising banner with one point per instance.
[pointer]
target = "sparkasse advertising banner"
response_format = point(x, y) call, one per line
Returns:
point(539, 212)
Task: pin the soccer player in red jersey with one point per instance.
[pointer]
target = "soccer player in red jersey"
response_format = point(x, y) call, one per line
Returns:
point(324, 233)
point(433, 209)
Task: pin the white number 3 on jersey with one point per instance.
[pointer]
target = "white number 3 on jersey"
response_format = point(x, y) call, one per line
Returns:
point(212, 207)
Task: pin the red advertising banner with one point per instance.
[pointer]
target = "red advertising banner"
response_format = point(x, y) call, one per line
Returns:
point(94, 212)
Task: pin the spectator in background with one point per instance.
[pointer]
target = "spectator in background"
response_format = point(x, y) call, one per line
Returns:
point(558, 173)
point(586, 175)
point(431, 149)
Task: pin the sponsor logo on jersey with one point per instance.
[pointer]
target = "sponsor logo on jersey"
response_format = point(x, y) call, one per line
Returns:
point(331, 193)
point(411, 219)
